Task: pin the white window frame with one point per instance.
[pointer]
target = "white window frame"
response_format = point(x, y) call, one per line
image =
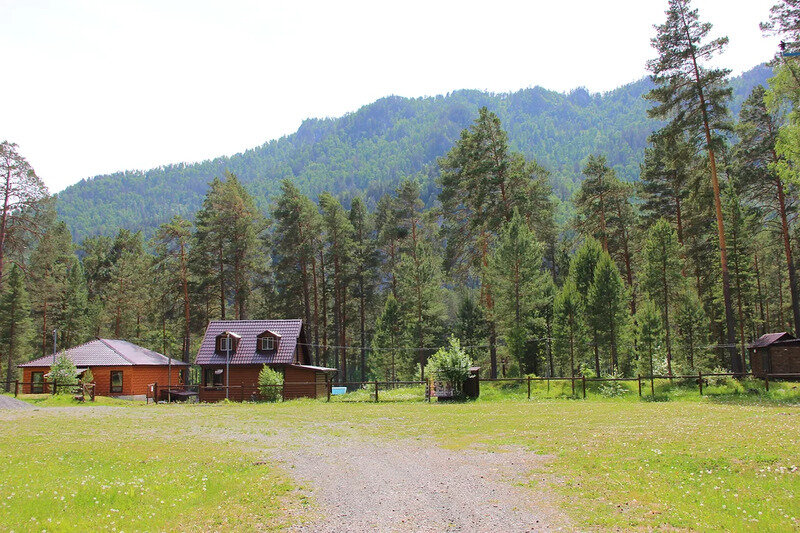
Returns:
point(225, 344)
point(267, 344)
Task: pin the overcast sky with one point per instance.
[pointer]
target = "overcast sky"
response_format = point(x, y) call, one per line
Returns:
point(91, 87)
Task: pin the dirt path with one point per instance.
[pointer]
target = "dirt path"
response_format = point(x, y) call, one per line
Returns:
point(416, 485)
point(7, 402)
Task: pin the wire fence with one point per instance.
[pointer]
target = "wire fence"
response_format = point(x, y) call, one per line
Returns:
point(393, 391)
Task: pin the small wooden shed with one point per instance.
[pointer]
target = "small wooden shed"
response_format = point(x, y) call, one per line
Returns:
point(775, 353)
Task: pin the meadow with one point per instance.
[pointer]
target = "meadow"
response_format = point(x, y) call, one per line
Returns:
point(729, 460)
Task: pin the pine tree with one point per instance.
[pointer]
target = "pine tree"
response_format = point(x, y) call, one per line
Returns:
point(172, 261)
point(482, 182)
point(365, 280)
point(75, 314)
point(419, 291)
point(22, 195)
point(48, 273)
point(471, 328)
point(295, 246)
point(606, 311)
point(567, 326)
point(756, 159)
point(339, 255)
point(649, 335)
point(16, 328)
point(694, 98)
point(661, 276)
point(387, 342)
point(518, 281)
point(581, 272)
point(692, 330)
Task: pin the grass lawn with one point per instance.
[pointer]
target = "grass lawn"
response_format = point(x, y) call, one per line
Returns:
point(722, 462)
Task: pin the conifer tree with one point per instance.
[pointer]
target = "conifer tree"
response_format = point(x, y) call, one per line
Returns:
point(482, 182)
point(75, 314)
point(48, 273)
point(567, 326)
point(606, 311)
point(387, 343)
point(692, 329)
point(694, 98)
point(471, 328)
point(756, 160)
point(16, 327)
point(518, 281)
point(172, 261)
point(339, 255)
point(22, 196)
point(649, 335)
point(581, 272)
point(365, 280)
point(661, 277)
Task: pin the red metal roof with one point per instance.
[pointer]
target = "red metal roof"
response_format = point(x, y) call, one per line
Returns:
point(245, 353)
point(108, 352)
point(771, 338)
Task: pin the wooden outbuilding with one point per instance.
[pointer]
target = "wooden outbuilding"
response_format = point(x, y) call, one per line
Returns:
point(241, 348)
point(775, 353)
point(119, 368)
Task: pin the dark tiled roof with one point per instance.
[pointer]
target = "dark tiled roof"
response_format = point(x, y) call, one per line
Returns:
point(771, 338)
point(245, 352)
point(108, 352)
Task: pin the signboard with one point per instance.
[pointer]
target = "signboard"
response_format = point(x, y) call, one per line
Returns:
point(443, 389)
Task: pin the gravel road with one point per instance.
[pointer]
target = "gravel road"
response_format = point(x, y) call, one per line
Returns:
point(7, 402)
point(402, 485)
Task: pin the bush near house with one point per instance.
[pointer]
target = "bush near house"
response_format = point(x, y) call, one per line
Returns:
point(270, 384)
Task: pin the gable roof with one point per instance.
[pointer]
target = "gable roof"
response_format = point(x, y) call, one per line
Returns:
point(289, 331)
point(108, 352)
point(771, 338)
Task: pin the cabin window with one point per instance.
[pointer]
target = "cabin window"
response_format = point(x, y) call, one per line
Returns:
point(225, 344)
point(116, 381)
point(37, 382)
point(213, 377)
point(267, 344)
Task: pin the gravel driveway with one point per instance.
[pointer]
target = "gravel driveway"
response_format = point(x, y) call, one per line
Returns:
point(414, 485)
point(7, 402)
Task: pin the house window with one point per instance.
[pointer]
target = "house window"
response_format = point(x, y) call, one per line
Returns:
point(37, 382)
point(267, 344)
point(225, 344)
point(213, 377)
point(116, 381)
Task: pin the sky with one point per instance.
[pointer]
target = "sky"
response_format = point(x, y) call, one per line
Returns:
point(97, 86)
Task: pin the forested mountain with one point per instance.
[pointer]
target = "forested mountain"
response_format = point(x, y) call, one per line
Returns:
point(370, 150)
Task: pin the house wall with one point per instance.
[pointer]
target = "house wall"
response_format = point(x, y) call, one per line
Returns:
point(244, 383)
point(135, 379)
point(785, 359)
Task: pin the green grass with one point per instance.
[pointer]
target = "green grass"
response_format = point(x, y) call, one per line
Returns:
point(131, 470)
point(67, 400)
point(729, 460)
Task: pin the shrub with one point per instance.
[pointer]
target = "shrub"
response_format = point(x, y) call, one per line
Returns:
point(270, 384)
point(450, 364)
point(88, 377)
point(64, 373)
point(613, 389)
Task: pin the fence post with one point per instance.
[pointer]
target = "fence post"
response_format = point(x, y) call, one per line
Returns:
point(639, 379)
point(700, 381)
point(529, 387)
point(55, 386)
point(155, 392)
point(16, 388)
point(376, 390)
point(766, 382)
point(652, 387)
point(584, 387)
point(330, 384)
point(241, 393)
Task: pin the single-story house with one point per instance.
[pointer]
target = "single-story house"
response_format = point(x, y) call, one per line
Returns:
point(119, 368)
point(775, 353)
point(243, 347)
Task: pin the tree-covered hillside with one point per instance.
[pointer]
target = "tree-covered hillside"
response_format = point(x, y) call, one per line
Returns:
point(370, 150)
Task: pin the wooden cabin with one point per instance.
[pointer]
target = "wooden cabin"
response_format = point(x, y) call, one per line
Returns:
point(775, 353)
point(243, 347)
point(119, 368)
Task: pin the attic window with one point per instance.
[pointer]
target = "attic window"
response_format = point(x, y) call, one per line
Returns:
point(267, 344)
point(225, 344)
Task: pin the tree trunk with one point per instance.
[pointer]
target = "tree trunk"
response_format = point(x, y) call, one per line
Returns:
point(788, 250)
